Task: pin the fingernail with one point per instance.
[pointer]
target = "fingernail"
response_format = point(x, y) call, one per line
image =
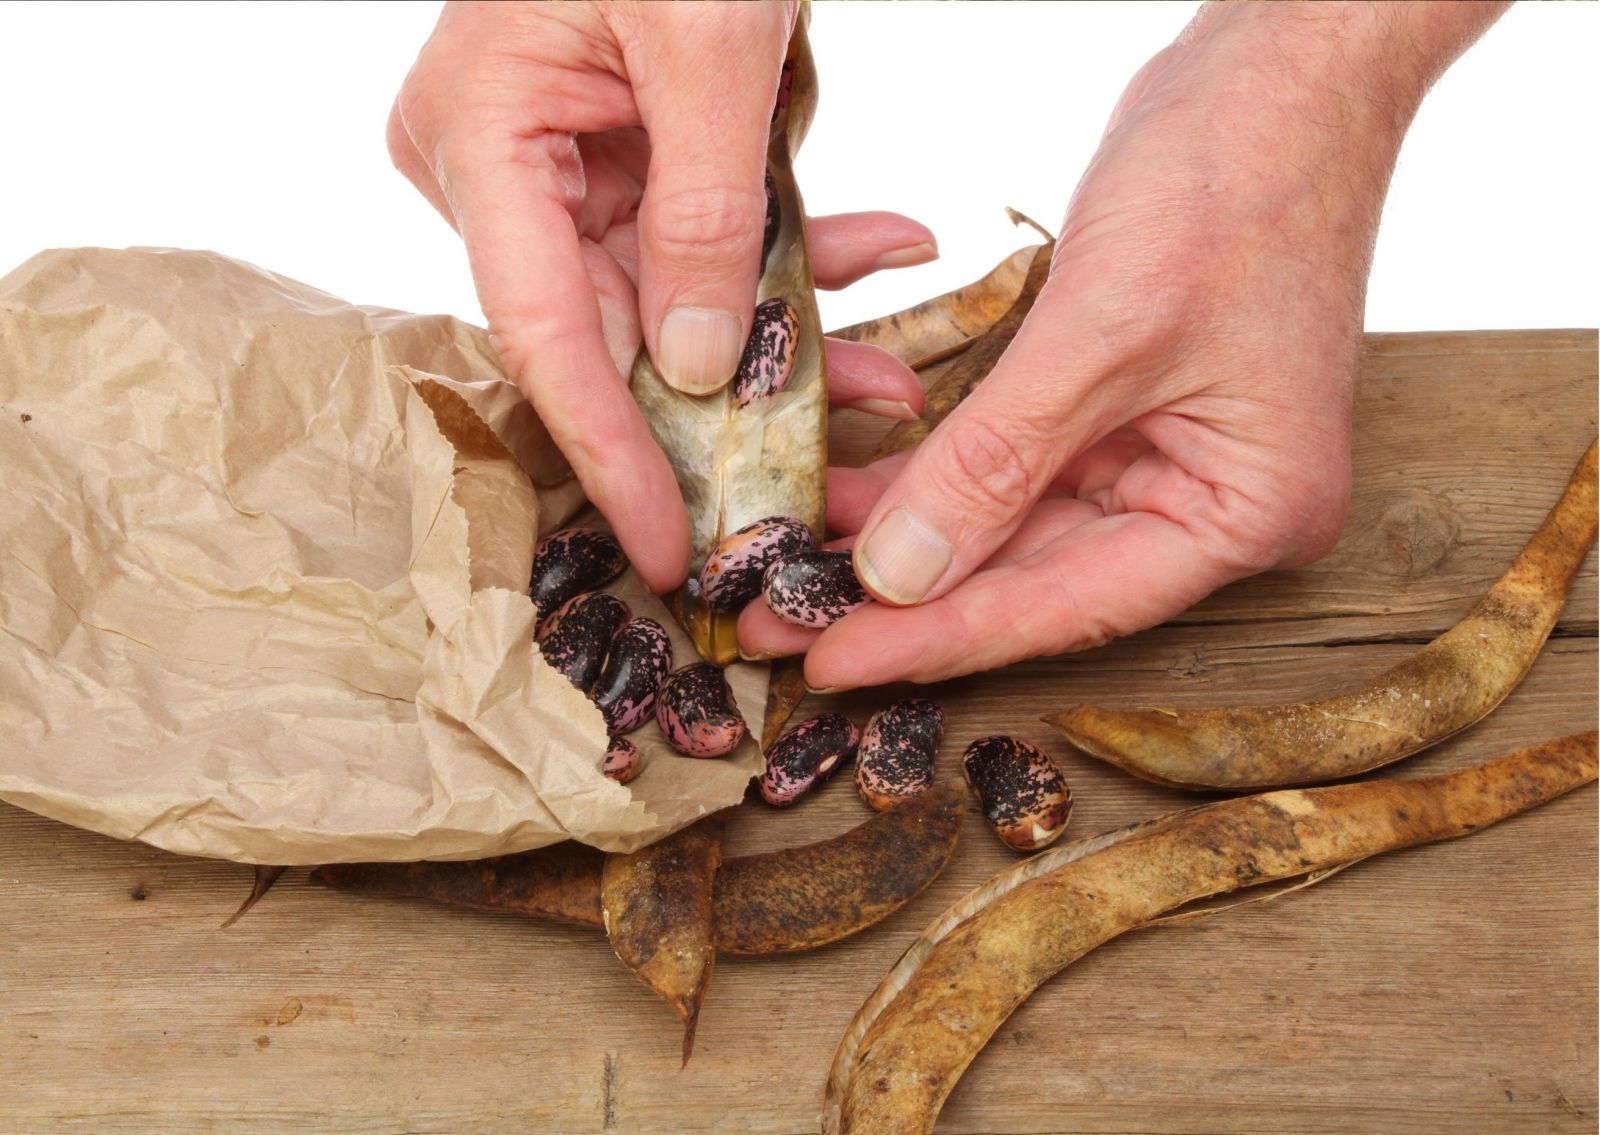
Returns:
point(886, 408)
point(761, 655)
point(908, 256)
point(903, 557)
point(810, 689)
point(698, 349)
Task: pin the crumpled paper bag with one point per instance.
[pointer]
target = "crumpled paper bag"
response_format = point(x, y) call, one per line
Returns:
point(263, 569)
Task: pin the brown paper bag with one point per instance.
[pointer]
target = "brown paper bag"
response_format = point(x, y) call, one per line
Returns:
point(263, 559)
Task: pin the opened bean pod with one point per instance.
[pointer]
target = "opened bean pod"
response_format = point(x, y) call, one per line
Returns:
point(1024, 796)
point(806, 756)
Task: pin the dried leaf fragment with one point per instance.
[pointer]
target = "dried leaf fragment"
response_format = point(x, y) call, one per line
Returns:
point(1455, 680)
point(908, 1046)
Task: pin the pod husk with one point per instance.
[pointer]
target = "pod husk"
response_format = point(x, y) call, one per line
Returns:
point(737, 465)
point(1448, 685)
point(658, 913)
point(908, 1046)
point(796, 898)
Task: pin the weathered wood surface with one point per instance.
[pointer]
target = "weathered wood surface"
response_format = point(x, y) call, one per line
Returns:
point(1445, 989)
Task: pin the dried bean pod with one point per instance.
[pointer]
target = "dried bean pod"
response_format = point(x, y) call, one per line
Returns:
point(813, 589)
point(576, 639)
point(1025, 798)
point(569, 562)
point(769, 235)
point(622, 762)
point(696, 712)
point(806, 756)
point(895, 760)
point(734, 571)
point(769, 353)
point(638, 662)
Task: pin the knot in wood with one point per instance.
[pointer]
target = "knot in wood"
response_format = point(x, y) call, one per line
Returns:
point(1416, 531)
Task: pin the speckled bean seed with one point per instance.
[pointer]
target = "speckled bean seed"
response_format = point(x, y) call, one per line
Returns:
point(622, 761)
point(568, 563)
point(1024, 796)
point(769, 353)
point(898, 746)
point(806, 756)
point(814, 588)
point(696, 712)
point(638, 662)
point(576, 639)
point(734, 570)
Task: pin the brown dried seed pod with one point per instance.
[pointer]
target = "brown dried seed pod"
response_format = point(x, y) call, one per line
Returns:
point(734, 570)
point(1447, 685)
point(896, 757)
point(806, 756)
point(813, 589)
point(955, 986)
point(622, 761)
point(569, 562)
point(1025, 798)
point(769, 235)
point(697, 714)
point(576, 639)
point(769, 353)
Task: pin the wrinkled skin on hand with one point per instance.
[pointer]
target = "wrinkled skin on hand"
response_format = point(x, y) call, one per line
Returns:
point(604, 165)
point(1174, 413)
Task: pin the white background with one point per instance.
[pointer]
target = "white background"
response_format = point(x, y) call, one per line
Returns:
point(257, 130)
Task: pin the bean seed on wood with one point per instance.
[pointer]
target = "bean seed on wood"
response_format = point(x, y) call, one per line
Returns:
point(568, 563)
point(639, 660)
point(813, 589)
point(697, 714)
point(1024, 796)
point(896, 757)
point(769, 353)
point(734, 570)
point(622, 762)
point(576, 639)
point(806, 756)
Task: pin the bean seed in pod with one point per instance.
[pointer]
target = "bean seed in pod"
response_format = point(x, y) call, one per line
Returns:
point(568, 563)
point(734, 570)
point(898, 746)
point(769, 235)
point(638, 662)
point(622, 761)
point(769, 353)
point(806, 756)
point(813, 588)
point(1024, 796)
point(696, 712)
point(576, 639)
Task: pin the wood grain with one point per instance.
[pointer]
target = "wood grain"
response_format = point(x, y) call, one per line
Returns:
point(1444, 989)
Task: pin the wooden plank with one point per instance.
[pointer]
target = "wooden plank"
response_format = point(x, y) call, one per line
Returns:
point(1444, 989)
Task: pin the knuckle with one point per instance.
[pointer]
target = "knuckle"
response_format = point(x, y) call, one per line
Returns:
point(706, 224)
point(989, 469)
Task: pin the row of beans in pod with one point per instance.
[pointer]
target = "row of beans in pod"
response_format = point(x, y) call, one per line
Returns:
point(1024, 797)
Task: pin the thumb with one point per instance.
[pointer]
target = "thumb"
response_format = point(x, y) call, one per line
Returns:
point(704, 79)
point(968, 487)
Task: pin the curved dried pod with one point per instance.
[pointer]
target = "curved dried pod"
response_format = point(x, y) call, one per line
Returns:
point(796, 898)
point(568, 563)
point(1452, 682)
point(953, 988)
point(265, 876)
point(736, 459)
point(895, 759)
point(657, 907)
point(806, 757)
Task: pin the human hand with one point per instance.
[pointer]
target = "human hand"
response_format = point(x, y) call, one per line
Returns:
point(604, 165)
point(1174, 413)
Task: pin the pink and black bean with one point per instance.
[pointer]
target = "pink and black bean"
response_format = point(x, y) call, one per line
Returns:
point(813, 588)
point(806, 756)
point(896, 759)
point(576, 639)
point(697, 714)
point(638, 662)
point(568, 563)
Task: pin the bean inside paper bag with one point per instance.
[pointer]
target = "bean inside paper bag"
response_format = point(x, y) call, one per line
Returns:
point(263, 569)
